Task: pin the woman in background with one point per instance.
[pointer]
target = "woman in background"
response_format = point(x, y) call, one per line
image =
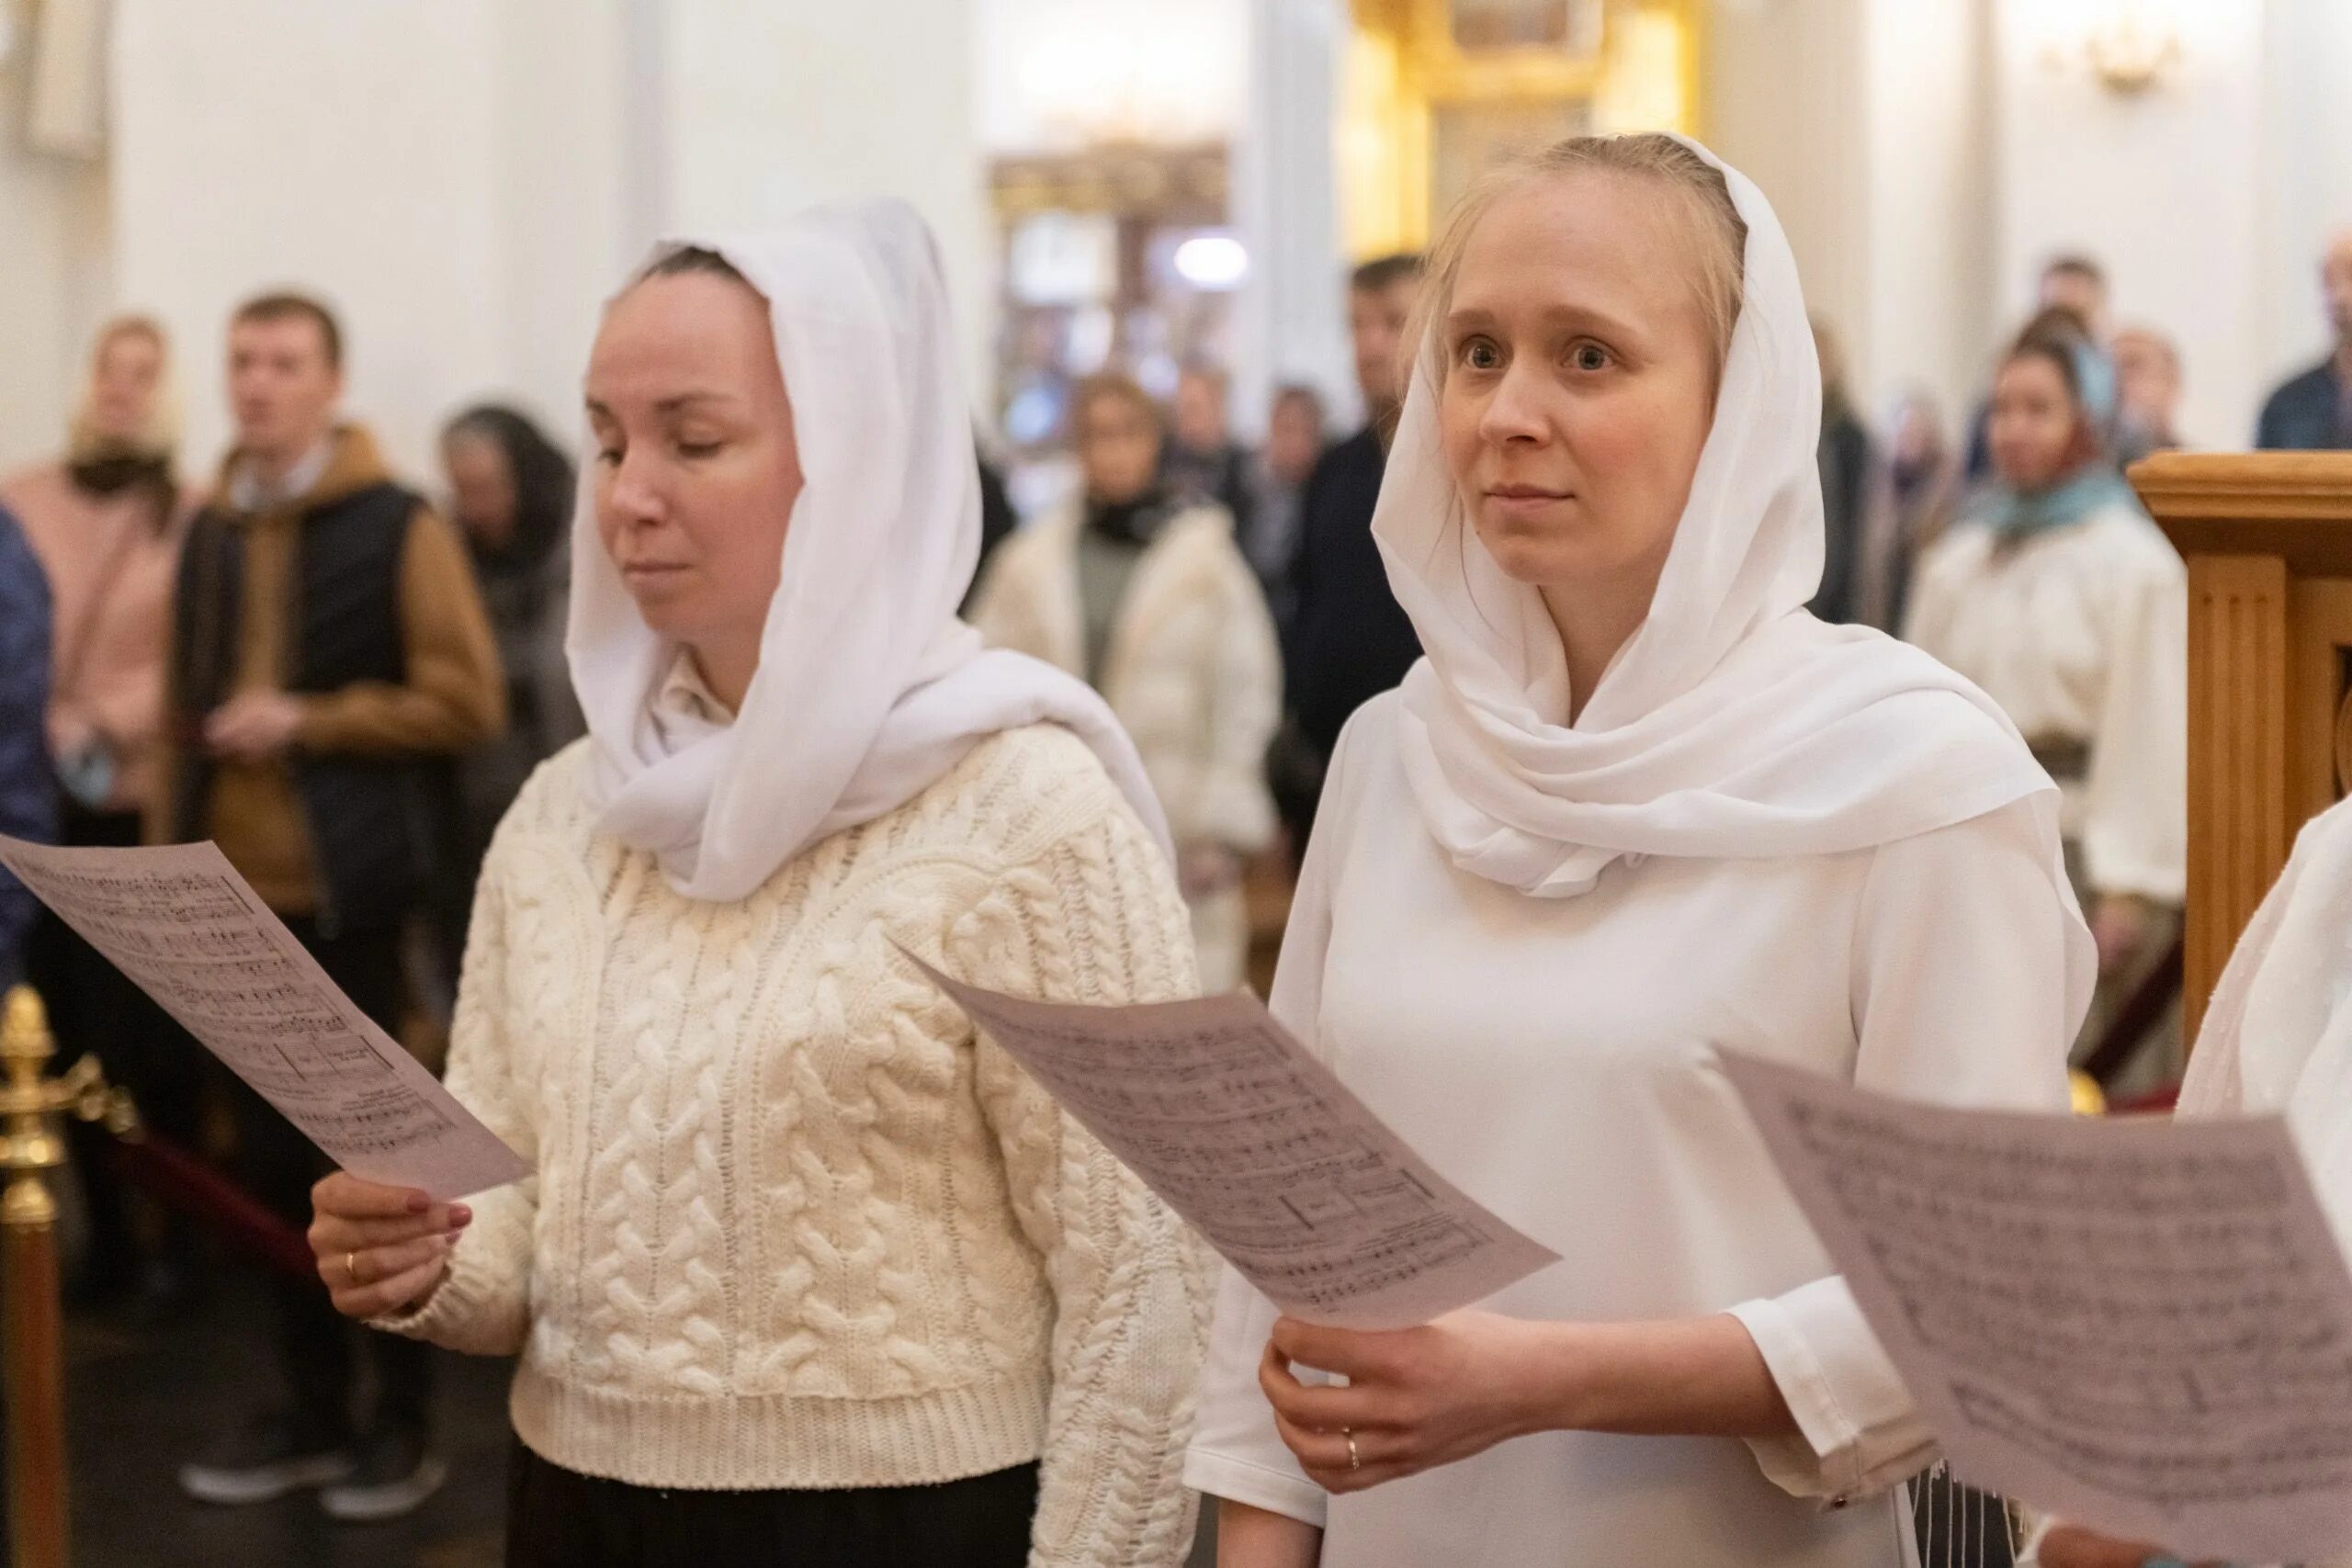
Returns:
point(1149, 597)
point(512, 490)
point(2057, 595)
point(105, 520)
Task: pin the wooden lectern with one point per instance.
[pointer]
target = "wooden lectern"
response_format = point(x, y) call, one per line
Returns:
point(2267, 537)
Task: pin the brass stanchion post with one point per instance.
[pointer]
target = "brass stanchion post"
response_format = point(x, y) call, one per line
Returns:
point(32, 1354)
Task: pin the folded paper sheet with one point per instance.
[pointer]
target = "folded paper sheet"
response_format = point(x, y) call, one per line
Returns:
point(1263, 1152)
point(184, 925)
point(2145, 1327)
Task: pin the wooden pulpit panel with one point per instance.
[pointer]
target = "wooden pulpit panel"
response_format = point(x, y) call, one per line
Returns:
point(2267, 537)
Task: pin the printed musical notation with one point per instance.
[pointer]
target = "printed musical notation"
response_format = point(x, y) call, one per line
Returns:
point(2143, 1326)
point(1264, 1152)
point(183, 925)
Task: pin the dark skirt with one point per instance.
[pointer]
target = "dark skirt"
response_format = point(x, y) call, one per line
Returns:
point(559, 1518)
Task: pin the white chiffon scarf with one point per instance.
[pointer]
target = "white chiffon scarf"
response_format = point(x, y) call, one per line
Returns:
point(869, 688)
point(1733, 724)
point(2278, 1036)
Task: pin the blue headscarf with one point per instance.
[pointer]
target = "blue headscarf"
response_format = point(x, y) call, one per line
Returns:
point(2016, 514)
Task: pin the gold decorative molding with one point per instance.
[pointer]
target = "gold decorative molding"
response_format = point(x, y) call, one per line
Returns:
point(1408, 69)
point(2267, 538)
point(2238, 704)
point(1176, 185)
point(2217, 495)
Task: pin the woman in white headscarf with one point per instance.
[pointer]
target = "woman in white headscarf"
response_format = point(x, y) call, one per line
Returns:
point(1634, 808)
point(806, 1272)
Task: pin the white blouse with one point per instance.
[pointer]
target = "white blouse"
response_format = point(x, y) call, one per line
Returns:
point(1557, 1059)
point(2080, 635)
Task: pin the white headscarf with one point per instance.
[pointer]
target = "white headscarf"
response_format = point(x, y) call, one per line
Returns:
point(1732, 724)
point(869, 686)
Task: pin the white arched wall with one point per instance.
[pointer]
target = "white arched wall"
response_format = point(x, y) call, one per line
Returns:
point(372, 178)
point(1864, 122)
point(467, 180)
point(2164, 187)
point(772, 106)
point(1926, 159)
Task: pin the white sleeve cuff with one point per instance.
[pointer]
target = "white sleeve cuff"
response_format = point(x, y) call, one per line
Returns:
point(1858, 1431)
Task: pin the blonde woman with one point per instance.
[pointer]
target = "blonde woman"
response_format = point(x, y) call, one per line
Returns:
point(1635, 807)
point(107, 519)
point(1148, 596)
point(807, 1272)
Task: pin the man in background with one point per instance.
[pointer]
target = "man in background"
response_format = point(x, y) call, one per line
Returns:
point(1295, 445)
point(1349, 640)
point(2312, 411)
point(1855, 517)
point(330, 655)
point(2147, 394)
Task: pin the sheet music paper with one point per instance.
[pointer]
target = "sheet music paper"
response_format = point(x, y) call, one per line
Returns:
point(184, 925)
point(1263, 1152)
point(2145, 1327)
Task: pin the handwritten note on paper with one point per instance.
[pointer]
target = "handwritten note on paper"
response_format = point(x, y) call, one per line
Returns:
point(185, 926)
point(1263, 1152)
point(2143, 1326)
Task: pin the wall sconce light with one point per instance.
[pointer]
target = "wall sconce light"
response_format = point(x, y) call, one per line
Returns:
point(2129, 45)
point(2129, 55)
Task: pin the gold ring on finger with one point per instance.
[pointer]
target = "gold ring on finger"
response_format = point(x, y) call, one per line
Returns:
point(1355, 1460)
point(351, 1267)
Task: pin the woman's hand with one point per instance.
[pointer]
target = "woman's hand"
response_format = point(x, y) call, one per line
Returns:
point(380, 1250)
point(1416, 1398)
point(2067, 1547)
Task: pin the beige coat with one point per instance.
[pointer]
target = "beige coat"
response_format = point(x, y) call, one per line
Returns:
point(110, 576)
point(1193, 672)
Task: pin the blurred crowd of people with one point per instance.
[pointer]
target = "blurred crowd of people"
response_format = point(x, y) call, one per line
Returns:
point(345, 684)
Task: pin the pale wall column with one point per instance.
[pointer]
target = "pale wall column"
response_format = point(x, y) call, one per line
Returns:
point(562, 225)
point(771, 107)
point(1867, 124)
point(2163, 188)
point(1785, 104)
point(1294, 305)
point(351, 149)
point(1927, 317)
point(54, 263)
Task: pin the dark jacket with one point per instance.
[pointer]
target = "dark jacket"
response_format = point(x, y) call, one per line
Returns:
point(28, 793)
point(2312, 412)
point(357, 600)
point(1847, 460)
point(1350, 638)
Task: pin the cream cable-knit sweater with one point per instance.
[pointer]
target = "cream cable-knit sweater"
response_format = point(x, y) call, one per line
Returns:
point(793, 1224)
